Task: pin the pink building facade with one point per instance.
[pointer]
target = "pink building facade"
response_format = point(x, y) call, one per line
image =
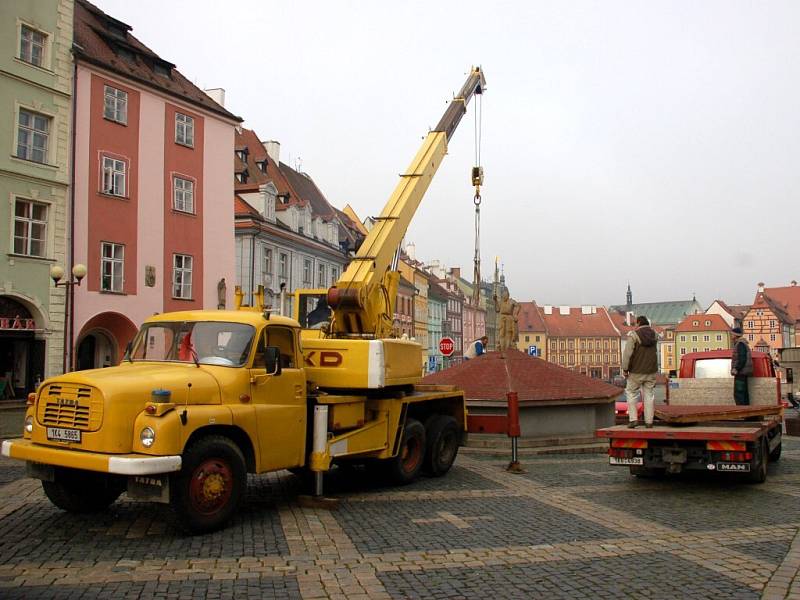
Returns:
point(152, 219)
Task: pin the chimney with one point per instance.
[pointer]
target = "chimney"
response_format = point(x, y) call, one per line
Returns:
point(411, 250)
point(760, 286)
point(217, 95)
point(273, 149)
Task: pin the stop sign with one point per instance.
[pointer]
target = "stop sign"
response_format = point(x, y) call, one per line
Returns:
point(447, 346)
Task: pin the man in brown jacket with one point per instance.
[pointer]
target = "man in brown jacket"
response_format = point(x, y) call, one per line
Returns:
point(640, 365)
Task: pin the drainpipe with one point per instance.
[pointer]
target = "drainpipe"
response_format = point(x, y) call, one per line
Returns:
point(69, 301)
point(252, 267)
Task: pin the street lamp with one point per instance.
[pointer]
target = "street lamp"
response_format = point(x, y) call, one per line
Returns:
point(57, 274)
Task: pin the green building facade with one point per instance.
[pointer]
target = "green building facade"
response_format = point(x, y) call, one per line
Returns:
point(36, 80)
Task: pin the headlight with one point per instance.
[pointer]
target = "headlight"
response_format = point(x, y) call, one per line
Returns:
point(28, 424)
point(147, 437)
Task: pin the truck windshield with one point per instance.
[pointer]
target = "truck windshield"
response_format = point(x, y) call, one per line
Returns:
point(712, 367)
point(204, 342)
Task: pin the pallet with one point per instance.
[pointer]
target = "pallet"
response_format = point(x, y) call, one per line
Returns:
point(704, 413)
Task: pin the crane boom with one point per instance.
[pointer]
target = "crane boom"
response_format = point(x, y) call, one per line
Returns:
point(363, 298)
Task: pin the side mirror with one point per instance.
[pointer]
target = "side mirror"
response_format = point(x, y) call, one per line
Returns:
point(272, 360)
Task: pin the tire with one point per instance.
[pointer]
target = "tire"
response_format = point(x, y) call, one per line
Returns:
point(441, 445)
point(759, 473)
point(210, 485)
point(83, 492)
point(775, 454)
point(404, 468)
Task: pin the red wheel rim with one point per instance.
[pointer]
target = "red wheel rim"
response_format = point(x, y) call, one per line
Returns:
point(211, 486)
point(411, 454)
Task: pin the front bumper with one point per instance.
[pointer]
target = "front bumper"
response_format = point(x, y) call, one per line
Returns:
point(124, 464)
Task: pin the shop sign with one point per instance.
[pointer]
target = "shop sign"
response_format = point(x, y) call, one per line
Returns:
point(17, 323)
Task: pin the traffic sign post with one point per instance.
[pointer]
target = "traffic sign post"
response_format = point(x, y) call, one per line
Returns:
point(533, 351)
point(447, 346)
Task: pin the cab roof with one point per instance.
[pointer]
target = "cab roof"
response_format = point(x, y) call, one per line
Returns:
point(246, 317)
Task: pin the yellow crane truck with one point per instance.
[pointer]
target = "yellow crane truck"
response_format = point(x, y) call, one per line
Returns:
point(202, 398)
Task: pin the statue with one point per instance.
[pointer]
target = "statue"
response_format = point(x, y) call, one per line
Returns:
point(508, 313)
point(222, 290)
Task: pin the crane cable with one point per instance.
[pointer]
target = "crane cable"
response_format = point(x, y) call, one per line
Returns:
point(477, 181)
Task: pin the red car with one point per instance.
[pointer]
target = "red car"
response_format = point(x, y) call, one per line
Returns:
point(621, 410)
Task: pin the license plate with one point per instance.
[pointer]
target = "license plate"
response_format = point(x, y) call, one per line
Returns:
point(734, 467)
point(635, 460)
point(61, 434)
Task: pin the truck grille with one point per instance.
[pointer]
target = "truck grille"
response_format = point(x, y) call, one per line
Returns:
point(70, 405)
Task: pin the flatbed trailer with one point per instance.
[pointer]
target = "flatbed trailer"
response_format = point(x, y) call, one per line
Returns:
point(721, 446)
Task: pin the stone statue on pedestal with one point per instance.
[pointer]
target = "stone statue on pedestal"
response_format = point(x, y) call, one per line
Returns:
point(508, 314)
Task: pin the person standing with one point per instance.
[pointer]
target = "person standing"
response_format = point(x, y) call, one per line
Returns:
point(476, 348)
point(741, 367)
point(640, 365)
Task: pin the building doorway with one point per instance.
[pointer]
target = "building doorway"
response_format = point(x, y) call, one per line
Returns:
point(95, 350)
point(22, 355)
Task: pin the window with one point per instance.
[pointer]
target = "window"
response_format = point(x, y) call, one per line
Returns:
point(708, 323)
point(694, 338)
point(591, 345)
point(771, 324)
point(182, 276)
point(749, 324)
point(695, 323)
point(30, 228)
point(283, 267)
point(706, 338)
point(183, 195)
point(683, 338)
point(538, 338)
point(694, 349)
point(266, 268)
point(683, 351)
point(571, 344)
point(32, 135)
point(31, 46)
point(772, 337)
point(527, 338)
point(335, 278)
point(112, 267)
point(719, 337)
point(116, 105)
point(321, 276)
point(113, 176)
point(750, 337)
point(184, 130)
point(306, 272)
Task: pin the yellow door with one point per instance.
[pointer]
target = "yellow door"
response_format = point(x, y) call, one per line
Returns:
point(280, 402)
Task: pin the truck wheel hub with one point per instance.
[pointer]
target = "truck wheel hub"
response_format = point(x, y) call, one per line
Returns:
point(210, 488)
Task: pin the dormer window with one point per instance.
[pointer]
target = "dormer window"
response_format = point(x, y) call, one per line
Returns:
point(241, 177)
point(262, 165)
point(242, 154)
point(162, 70)
point(125, 53)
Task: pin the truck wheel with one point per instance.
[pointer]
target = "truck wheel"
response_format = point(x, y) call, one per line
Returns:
point(82, 491)
point(775, 455)
point(442, 437)
point(405, 467)
point(210, 486)
point(759, 473)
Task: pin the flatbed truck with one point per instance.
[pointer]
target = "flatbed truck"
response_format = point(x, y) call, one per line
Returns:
point(722, 446)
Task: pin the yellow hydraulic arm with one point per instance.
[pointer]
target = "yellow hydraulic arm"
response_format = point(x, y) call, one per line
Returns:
point(364, 297)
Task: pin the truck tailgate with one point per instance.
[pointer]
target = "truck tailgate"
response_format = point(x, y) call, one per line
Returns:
point(747, 432)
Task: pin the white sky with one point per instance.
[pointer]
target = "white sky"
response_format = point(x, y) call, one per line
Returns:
point(650, 142)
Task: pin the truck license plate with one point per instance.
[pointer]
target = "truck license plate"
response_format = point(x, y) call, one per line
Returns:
point(61, 434)
point(734, 467)
point(634, 460)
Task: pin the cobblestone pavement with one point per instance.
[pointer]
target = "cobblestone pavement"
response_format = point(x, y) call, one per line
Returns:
point(571, 527)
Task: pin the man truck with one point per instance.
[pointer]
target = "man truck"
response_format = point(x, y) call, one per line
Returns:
point(702, 428)
point(202, 398)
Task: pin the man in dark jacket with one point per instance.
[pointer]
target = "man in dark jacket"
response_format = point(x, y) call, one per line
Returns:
point(640, 365)
point(741, 367)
